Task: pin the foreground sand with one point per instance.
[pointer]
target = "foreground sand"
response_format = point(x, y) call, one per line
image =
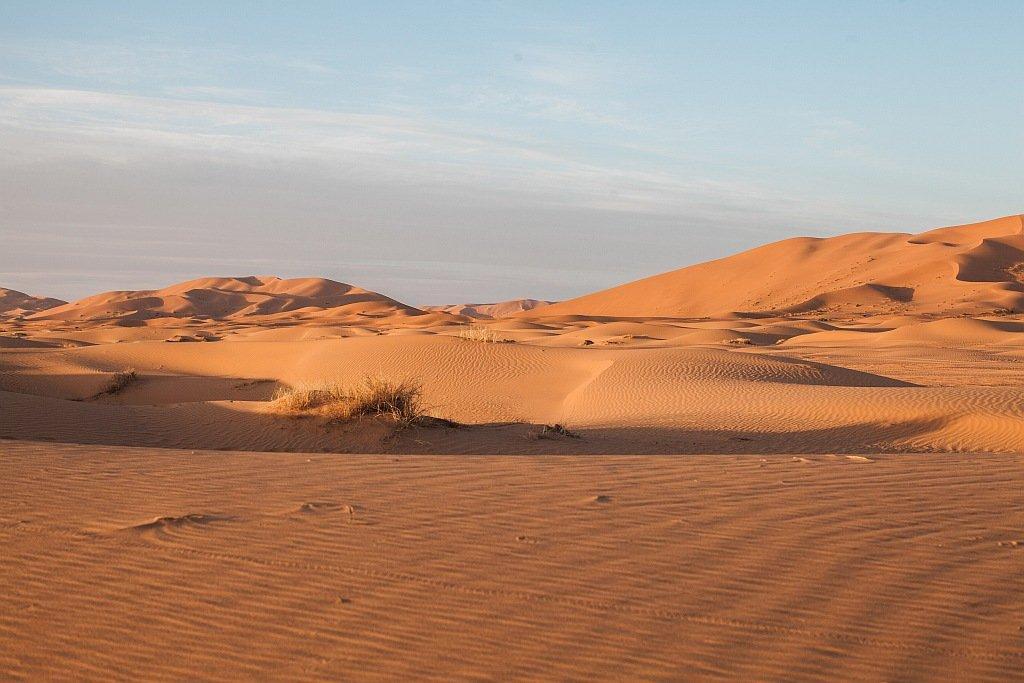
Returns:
point(158, 564)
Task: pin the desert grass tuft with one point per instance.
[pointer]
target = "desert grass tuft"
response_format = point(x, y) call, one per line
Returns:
point(555, 431)
point(120, 380)
point(478, 333)
point(401, 401)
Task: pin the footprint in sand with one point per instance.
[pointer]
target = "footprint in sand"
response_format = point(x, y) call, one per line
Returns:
point(172, 522)
point(851, 458)
point(319, 506)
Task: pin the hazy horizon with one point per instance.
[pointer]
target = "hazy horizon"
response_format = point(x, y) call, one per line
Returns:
point(481, 153)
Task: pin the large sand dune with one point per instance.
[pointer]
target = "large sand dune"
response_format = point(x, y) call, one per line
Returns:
point(660, 400)
point(797, 463)
point(263, 298)
point(18, 304)
point(967, 269)
point(501, 309)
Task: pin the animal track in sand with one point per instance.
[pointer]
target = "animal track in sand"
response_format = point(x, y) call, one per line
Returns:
point(192, 519)
point(319, 506)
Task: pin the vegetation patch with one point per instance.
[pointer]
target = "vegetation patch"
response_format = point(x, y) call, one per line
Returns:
point(556, 431)
point(401, 401)
point(479, 333)
point(119, 381)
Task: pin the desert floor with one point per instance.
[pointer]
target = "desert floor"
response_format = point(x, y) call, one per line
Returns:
point(748, 499)
point(148, 563)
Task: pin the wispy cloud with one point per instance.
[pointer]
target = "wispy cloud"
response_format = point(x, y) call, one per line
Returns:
point(540, 105)
point(215, 92)
point(113, 128)
point(152, 63)
point(564, 67)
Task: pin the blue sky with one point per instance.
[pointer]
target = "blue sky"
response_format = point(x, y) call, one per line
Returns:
point(445, 152)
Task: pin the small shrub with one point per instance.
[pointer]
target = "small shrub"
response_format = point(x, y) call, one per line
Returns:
point(483, 334)
point(303, 398)
point(120, 380)
point(556, 431)
point(402, 401)
point(373, 396)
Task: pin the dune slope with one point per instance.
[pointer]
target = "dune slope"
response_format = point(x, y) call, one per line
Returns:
point(263, 298)
point(967, 269)
point(502, 309)
point(656, 400)
point(18, 304)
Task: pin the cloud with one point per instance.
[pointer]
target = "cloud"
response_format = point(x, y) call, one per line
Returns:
point(151, 64)
point(43, 123)
point(538, 105)
point(215, 92)
point(563, 67)
point(234, 188)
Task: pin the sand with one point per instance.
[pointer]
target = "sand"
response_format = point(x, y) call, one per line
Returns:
point(969, 269)
point(501, 309)
point(800, 462)
point(168, 564)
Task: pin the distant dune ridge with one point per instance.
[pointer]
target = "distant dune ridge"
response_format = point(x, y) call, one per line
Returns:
point(502, 309)
point(233, 298)
point(973, 269)
point(15, 304)
point(965, 269)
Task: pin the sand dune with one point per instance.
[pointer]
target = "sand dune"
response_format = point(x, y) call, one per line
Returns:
point(970, 269)
point(657, 400)
point(265, 298)
point(164, 515)
point(788, 363)
point(17, 304)
point(502, 309)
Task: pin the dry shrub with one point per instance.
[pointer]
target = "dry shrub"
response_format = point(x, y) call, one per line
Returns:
point(401, 401)
point(120, 380)
point(555, 431)
point(479, 333)
point(306, 397)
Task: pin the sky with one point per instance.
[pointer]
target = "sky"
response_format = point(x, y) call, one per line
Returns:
point(444, 152)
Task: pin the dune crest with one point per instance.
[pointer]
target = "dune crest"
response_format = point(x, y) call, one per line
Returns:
point(232, 298)
point(15, 304)
point(501, 309)
point(961, 270)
